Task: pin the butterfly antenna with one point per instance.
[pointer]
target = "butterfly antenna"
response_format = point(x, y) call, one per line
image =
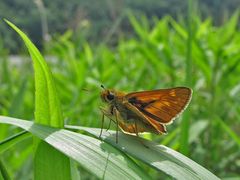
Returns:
point(102, 86)
point(86, 90)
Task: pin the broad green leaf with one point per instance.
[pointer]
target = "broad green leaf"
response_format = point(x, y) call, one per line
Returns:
point(158, 156)
point(94, 155)
point(47, 112)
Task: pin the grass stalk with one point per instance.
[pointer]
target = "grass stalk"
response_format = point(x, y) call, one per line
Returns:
point(186, 118)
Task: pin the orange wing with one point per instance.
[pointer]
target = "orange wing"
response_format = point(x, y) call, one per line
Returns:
point(162, 105)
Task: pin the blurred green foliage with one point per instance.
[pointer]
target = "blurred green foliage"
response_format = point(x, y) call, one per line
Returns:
point(154, 57)
point(101, 15)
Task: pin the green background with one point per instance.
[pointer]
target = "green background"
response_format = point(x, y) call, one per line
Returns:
point(129, 46)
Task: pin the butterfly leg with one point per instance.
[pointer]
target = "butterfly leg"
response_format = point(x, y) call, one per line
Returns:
point(102, 125)
point(136, 131)
point(109, 125)
point(115, 112)
point(111, 111)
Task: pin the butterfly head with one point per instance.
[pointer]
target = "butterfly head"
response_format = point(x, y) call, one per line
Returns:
point(107, 95)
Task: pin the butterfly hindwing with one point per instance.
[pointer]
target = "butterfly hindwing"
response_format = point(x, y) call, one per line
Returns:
point(157, 127)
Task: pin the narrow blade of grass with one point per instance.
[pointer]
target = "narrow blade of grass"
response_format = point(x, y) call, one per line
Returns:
point(3, 171)
point(186, 117)
point(230, 132)
point(16, 104)
point(13, 140)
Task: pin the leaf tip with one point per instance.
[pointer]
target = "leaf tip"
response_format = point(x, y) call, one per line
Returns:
point(8, 22)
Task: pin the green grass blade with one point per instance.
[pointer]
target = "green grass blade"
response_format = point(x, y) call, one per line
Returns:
point(230, 132)
point(47, 106)
point(47, 161)
point(185, 126)
point(16, 104)
point(171, 136)
point(158, 156)
point(179, 29)
point(96, 156)
point(228, 30)
point(140, 30)
point(13, 140)
point(3, 171)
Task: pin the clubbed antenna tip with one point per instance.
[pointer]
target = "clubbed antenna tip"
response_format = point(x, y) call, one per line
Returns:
point(102, 86)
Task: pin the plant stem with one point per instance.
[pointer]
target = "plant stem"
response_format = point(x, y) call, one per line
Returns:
point(186, 118)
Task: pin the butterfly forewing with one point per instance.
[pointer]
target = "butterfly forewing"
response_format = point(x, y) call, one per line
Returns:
point(161, 105)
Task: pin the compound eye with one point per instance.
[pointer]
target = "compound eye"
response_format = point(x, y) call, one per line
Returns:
point(110, 96)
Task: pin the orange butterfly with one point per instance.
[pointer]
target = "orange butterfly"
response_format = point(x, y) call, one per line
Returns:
point(146, 111)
